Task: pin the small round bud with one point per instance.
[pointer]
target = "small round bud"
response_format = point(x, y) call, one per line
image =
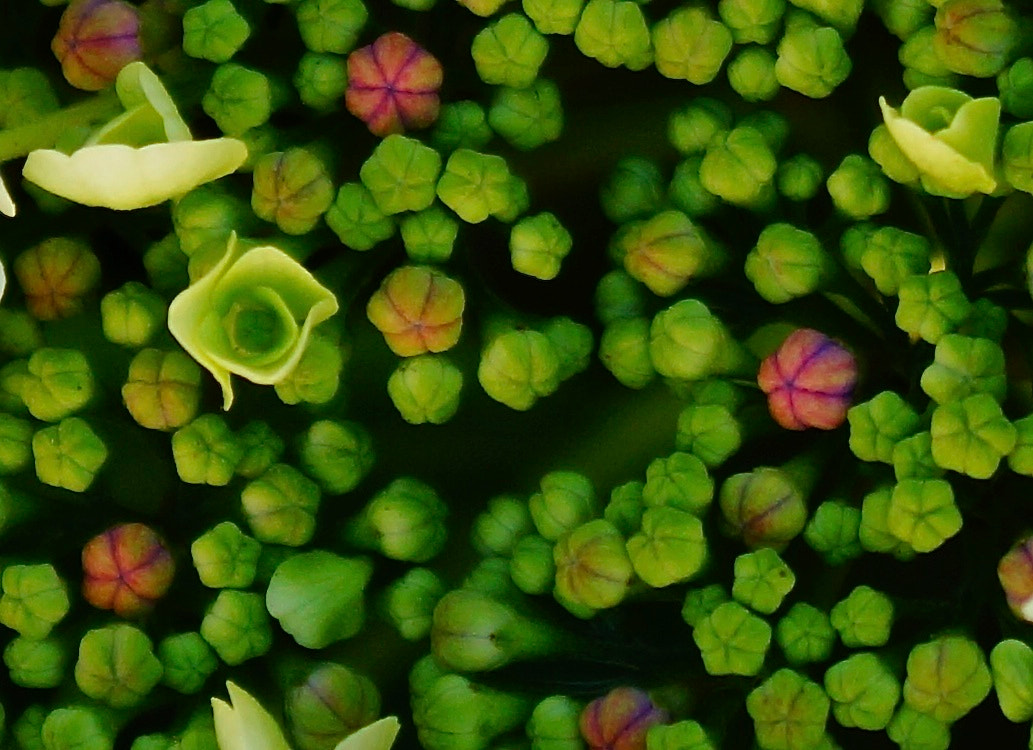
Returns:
point(291, 189)
point(752, 20)
point(764, 507)
point(669, 548)
point(418, 309)
point(620, 719)
point(205, 217)
point(1011, 665)
point(498, 528)
point(618, 296)
point(132, 314)
point(55, 276)
point(692, 128)
point(117, 665)
point(538, 244)
point(592, 566)
point(688, 342)
point(462, 124)
point(1015, 572)
point(509, 52)
point(858, 188)
point(405, 521)
point(425, 389)
point(615, 33)
point(1017, 155)
point(878, 424)
point(690, 45)
point(812, 60)
point(225, 557)
point(971, 436)
point(564, 501)
point(788, 711)
point(666, 252)
point(477, 186)
point(699, 603)
point(214, 31)
point(317, 376)
point(187, 662)
point(393, 85)
point(73, 728)
point(762, 580)
point(338, 455)
point(321, 80)
point(732, 640)
point(36, 663)
point(554, 724)
point(206, 451)
point(34, 599)
point(238, 98)
point(799, 177)
point(932, 306)
point(633, 190)
point(1015, 84)
point(68, 454)
point(126, 569)
point(832, 532)
point(95, 39)
point(751, 74)
point(975, 37)
point(686, 192)
point(280, 506)
point(738, 166)
point(453, 712)
point(531, 565)
point(805, 634)
point(933, 686)
point(162, 390)
point(787, 263)
point(237, 626)
point(58, 382)
point(624, 351)
point(331, 703)
point(429, 235)
point(409, 602)
point(331, 25)
point(356, 220)
point(863, 619)
point(401, 174)
point(518, 367)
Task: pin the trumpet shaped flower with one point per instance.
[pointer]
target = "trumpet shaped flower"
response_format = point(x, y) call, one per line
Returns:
point(242, 724)
point(251, 315)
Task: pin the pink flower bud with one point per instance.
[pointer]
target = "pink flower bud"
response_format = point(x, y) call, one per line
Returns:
point(1015, 572)
point(127, 568)
point(620, 719)
point(809, 381)
point(393, 85)
point(95, 40)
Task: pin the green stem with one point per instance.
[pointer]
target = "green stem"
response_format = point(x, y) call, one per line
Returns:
point(45, 132)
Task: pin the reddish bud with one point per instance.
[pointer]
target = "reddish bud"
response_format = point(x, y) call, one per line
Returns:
point(620, 719)
point(419, 310)
point(127, 568)
point(393, 85)
point(1015, 572)
point(809, 381)
point(56, 275)
point(95, 40)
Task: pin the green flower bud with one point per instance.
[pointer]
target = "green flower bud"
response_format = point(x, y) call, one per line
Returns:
point(922, 66)
point(19, 333)
point(913, 458)
point(681, 735)
point(669, 548)
point(263, 447)
point(409, 602)
point(68, 454)
point(518, 367)
point(401, 174)
point(476, 185)
point(615, 33)
point(1017, 156)
point(878, 424)
point(752, 20)
point(666, 251)
point(356, 220)
point(913, 730)
point(863, 619)
point(1011, 665)
point(331, 25)
point(429, 235)
point(531, 565)
point(56, 275)
point(206, 451)
point(633, 190)
point(858, 188)
point(751, 74)
point(689, 44)
point(117, 665)
point(554, 724)
point(238, 98)
point(679, 481)
point(965, 366)
point(946, 678)
point(564, 501)
point(15, 444)
point(454, 713)
point(27, 730)
point(762, 580)
point(498, 528)
point(842, 14)
point(76, 728)
point(764, 507)
point(237, 626)
point(709, 432)
point(462, 124)
point(538, 244)
point(36, 663)
point(787, 263)
point(887, 154)
point(553, 16)
point(686, 192)
point(864, 692)
point(688, 342)
point(491, 577)
point(509, 52)
point(338, 455)
point(292, 189)
point(1020, 460)
point(59, 383)
point(902, 18)
point(34, 599)
point(874, 533)
point(805, 634)
point(625, 506)
point(321, 80)
point(162, 390)
point(132, 314)
point(317, 597)
point(426, 389)
point(618, 296)
point(812, 60)
point(13, 377)
point(692, 128)
point(280, 506)
point(699, 603)
point(1015, 84)
point(624, 351)
point(732, 640)
point(187, 662)
point(404, 521)
point(214, 31)
point(832, 532)
point(482, 7)
point(975, 37)
point(892, 255)
point(592, 566)
point(25, 96)
point(971, 436)
point(225, 557)
point(317, 376)
point(205, 217)
point(331, 703)
point(789, 712)
point(573, 343)
point(738, 166)
point(474, 633)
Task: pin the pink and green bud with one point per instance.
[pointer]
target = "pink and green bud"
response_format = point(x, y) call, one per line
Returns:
point(789, 712)
point(127, 569)
point(419, 310)
point(95, 39)
point(975, 37)
point(764, 507)
point(55, 276)
point(319, 597)
point(292, 189)
point(34, 600)
point(864, 692)
point(809, 381)
point(620, 720)
point(393, 85)
point(863, 619)
point(732, 640)
point(331, 703)
point(187, 662)
point(1015, 572)
point(68, 454)
point(666, 251)
point(1011, 666)
point(805, 634)
point(762, 580)
point(946, 678)
point(593, 569)
point(237, 626)
point(162, 390)
point(117, 665)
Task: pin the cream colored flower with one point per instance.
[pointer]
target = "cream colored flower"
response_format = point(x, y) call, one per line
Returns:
point(6, 204)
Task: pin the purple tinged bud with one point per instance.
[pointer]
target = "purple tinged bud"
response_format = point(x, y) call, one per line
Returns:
point(95, 40)
point(620, 719)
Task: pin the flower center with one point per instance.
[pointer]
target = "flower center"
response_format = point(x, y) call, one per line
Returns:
point(259, 326)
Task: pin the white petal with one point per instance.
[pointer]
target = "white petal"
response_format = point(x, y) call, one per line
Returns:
point(125, 178)
point(6, 204)
point(379, 735)
point(259, 730)
point(227, 726)
point(3, 280)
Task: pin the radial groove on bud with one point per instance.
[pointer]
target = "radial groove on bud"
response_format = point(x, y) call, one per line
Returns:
point(95, 39)
point(127, 568)
point(620, 720)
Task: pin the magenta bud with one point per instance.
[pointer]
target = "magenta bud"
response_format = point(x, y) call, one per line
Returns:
point(95, 39)
point(809, 381)
point(393, 85)
point(126, 569)
point(620, 719)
